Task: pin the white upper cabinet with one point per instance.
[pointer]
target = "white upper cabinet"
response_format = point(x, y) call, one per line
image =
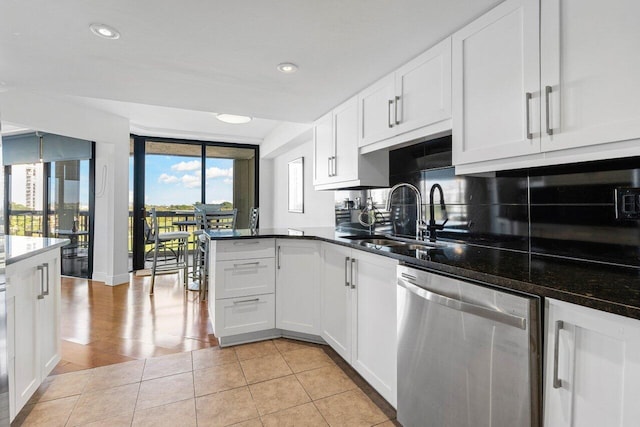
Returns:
point(592, 367)
point(590, 63)
point(423, 89)
point(496, 84)
point(415, 96)
point(337, 161)
point(376, 111)
point(582, 106)
point(323, 150)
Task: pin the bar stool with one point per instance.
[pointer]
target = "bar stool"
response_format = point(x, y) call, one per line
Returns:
point(174, 241)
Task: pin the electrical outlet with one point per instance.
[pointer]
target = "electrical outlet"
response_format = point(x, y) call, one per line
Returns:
point(627, 203)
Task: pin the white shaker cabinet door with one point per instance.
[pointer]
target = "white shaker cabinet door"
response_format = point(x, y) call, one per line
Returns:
point(377, 111)
point(49, 315)
point(590, 64)
point(323, 150)
point(496, 84)
point(423, 88)
point(336, 299)
point(345, 128)
point(298, 286)
point(592, 368)
point(375, 322)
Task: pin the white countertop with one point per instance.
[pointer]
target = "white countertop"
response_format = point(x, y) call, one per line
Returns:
point(17, 248)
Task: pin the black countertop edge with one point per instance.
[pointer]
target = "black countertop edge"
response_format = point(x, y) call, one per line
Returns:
point(18, 248)
point(602, 287)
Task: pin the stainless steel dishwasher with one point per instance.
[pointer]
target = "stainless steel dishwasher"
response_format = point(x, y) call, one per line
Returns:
point(468, 355)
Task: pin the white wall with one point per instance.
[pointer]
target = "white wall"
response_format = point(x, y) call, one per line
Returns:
point(111, 134)
point(318, 205)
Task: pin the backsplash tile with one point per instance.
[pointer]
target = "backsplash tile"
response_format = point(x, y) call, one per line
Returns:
point(566, 210)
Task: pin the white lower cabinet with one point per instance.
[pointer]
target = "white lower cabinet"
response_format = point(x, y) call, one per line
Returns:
point(33, 324)
point(242, 286)
point(298, 286)
point(336, 299)
point(359, 314)
point(592, 368)
point(245, 314)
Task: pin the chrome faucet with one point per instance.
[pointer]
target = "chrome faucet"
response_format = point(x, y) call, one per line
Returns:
point(419, 222)
point(433, 226)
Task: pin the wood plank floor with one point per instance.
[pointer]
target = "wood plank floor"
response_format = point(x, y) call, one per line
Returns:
point(103, 325)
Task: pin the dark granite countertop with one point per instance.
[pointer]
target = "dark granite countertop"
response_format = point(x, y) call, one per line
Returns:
point(600, 286)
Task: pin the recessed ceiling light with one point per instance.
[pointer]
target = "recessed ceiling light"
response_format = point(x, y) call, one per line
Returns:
point(105, 31)
point(287, 67)
point(233, 119)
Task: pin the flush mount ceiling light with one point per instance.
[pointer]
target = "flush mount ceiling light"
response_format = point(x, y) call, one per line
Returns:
point(104, 31)
point(287, 67)
point(233, 119)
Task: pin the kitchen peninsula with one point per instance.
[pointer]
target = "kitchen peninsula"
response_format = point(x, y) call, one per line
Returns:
point(320, 285)
point(33, 313)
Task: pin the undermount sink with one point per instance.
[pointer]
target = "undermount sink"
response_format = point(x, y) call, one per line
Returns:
point(391, 242)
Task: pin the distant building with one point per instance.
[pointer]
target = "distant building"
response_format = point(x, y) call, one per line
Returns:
point(30, 187)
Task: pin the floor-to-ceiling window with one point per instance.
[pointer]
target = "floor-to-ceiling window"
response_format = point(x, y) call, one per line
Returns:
point(49, 185)
point(172, 175)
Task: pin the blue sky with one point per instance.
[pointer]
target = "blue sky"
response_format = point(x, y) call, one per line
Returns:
point(171, 180)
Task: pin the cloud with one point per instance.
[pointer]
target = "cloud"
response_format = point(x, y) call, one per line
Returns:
point(186, 166)
point(214, 172)
point(228, 181)
point(167, 179)
point(191, 181)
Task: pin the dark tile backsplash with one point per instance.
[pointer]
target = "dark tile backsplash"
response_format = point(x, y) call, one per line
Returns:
point(567, 210)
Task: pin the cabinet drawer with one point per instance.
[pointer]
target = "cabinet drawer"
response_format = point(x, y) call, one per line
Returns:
point(245, 314)
point(244, 249)
point(239, 278)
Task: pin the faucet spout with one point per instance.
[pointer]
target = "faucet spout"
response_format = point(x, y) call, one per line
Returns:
point(433, 226)
point(419, 222)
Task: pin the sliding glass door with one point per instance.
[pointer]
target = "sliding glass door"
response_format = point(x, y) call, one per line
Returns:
point(49, 185)
point(172, 175)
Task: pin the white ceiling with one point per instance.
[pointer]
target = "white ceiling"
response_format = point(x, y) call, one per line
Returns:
point(217, 56)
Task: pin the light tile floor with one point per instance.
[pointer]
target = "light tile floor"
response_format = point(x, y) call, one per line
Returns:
point(271, 383)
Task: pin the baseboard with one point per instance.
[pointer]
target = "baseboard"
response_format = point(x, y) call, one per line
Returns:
point(267, 335)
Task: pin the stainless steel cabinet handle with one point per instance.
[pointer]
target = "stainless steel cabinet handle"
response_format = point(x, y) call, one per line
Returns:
point(335, 166)
point(247, 300)
point(278, 256)
point(41, 270)
point(346, 268)
point(353, 266)
point(246, 264)
point(396, 110)
point(527, 101)
point(557, 382)
point(46, 265)
point(254, 242)
point(466, 307)
point(547, 93)
point(390, 123)
point(329, 166)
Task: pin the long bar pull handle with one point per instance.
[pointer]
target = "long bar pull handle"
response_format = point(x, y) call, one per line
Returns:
point(329, 166)
point(46, 266)
point(353, 267)
point(246, 264)
point(396, 109)
point(346, 269)
point(557, 382)
point(527, 98)
point(390, 123)
point(465, 307)
point(253, 242)
point(547, 95)
point(41, 270)
point(247, 300)
point(278, 256)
